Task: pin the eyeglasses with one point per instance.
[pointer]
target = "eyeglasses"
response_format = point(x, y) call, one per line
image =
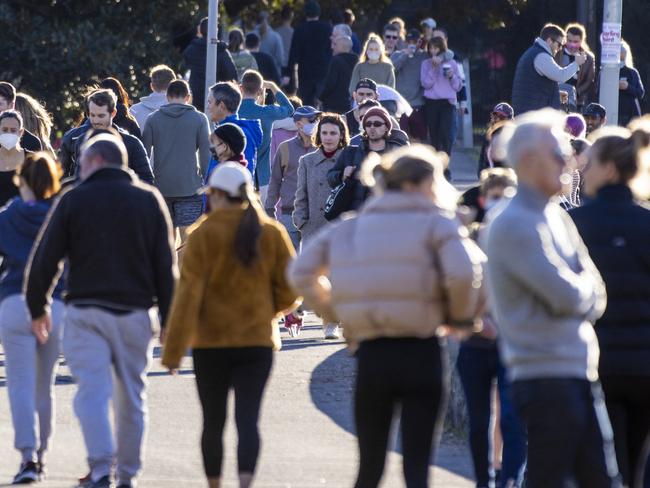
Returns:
point(374, 123)
point(560, 42)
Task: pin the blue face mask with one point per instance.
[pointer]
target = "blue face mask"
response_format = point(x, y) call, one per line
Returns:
point(309, 128)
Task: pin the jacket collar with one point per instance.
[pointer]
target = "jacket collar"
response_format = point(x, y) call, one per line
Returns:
point(110, 173)
point(542, 43)
point(392, 201)
point(615, 193)
point(531, 198)
point(321, 156)
point(230, 118)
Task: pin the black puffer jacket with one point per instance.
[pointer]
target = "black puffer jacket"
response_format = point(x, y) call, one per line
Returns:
point(616, 231)
point(74, 138)
point(354, 156)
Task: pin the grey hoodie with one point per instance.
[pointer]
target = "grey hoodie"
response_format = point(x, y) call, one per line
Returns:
point(176, 132)
point(147, 106)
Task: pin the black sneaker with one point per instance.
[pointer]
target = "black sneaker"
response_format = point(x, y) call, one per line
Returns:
point(27, 475)
point(87, 482)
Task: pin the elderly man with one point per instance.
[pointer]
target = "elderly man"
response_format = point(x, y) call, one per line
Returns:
point(115, 233)
point(334, 95)
point(546, 294)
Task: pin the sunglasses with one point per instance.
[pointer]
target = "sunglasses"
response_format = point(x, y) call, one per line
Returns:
point(391, 37)
point(374, 123)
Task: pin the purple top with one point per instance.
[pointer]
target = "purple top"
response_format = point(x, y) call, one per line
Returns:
point(436, 85)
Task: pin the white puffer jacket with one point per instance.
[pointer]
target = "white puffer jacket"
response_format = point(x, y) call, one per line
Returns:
point(401, 268)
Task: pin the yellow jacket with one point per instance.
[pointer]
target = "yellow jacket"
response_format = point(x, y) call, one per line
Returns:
point(219, 302)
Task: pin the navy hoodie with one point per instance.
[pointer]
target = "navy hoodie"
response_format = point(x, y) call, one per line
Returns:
point(20, 223)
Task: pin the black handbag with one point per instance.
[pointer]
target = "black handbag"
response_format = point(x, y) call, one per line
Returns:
point(340, 199)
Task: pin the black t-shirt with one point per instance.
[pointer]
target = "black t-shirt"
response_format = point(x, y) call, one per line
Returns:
point(7, 188)
point(30, 142)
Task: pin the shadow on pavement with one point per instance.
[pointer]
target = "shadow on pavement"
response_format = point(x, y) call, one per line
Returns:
point(332, 389)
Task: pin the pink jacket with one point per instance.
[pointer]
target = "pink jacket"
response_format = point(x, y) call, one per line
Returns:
point(436, 86)
point(401, 268)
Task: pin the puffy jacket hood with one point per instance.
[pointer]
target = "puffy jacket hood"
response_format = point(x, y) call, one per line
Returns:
point(176, 110)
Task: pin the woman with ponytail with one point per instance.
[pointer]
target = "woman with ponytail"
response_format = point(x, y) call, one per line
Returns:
point(615, 227)
point(235, 256)
point(398, 275)
point(30, 358)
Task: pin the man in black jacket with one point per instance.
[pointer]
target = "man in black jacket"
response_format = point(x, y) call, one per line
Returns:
point(310, 50)
point(100, 108)
point(195, 56)
point(115, 233)
point(334, 96)
point(266, 65)
point(378, 138)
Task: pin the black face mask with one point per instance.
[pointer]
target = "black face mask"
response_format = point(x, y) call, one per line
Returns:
point(213, 151)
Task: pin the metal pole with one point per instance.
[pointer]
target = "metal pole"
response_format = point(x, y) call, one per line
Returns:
point(212, 40)
point(610, 57)
point(468, 126)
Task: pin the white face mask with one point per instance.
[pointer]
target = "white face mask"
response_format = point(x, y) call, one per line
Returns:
point(9, 141)
point(373, 55)
point(308, 129)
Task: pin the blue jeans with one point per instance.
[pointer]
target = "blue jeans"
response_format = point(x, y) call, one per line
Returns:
point(478, 366)
point(294, 233)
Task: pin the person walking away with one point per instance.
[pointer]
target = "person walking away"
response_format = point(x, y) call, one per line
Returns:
point(194, 58)
point(28, 140)
point(179, 136)
point(235, 253)
point(391, 37)
point(36, 120)
point(284, 172)
point(116, 235)
point(378, 138)
point(613, 226)
point(310, 51)
point(265, 62)
point(441, 81)
point(630, 88)
point(373, 64)
point(537, 76)
point(242, 58)
point(479, 366)
point(354, 271)
point(285, 31)
point(584, 79)
point(12, 155)
point(408, 63)
point(30, 362)
point(541, 279)
point(161, 76)
point(271, 42)
point(313, 189)
point(101, 110)
point(224, 101)
point(253, 88)
point(335, 96)
point(123, 118)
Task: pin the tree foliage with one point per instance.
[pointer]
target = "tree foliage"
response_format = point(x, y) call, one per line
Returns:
point(53, 49)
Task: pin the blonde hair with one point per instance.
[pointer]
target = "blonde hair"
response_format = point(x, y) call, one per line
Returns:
point(410, 164)
point(382, 49)
point(497, 178)
point(35, 118)
point(628, 60)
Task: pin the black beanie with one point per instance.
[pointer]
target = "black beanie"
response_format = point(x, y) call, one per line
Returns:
point(233, 136)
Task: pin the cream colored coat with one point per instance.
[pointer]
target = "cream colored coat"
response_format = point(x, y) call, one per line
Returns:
point(402, 268)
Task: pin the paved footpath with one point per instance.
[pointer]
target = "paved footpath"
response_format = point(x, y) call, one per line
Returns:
point(306, 427)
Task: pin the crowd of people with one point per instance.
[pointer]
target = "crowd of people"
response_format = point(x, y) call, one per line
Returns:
point(317, 179)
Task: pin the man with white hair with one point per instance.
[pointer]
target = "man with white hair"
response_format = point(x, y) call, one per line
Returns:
point(547, 294)
point(115, 234)
point(334, 95)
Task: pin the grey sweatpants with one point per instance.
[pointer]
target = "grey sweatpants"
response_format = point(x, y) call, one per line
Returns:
point(31, 370)
point(109, 356)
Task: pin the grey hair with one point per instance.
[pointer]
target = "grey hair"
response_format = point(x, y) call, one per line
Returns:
point(344, 29)
point(346, 42)
point(108, 147)
point(228, 93)
point(533, 131)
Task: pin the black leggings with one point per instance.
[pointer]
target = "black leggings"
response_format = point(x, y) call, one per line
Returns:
point(628, 405)
point(440, 121)
point(410, 372)
point(246, 370)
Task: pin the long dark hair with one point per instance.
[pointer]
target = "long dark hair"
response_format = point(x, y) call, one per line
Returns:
point(116, 87)
point(247, 238)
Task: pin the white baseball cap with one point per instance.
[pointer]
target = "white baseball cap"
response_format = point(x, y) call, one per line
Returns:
point(429, 22)
point(228, 177)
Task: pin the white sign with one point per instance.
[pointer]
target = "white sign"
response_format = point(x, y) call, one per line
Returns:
point(610, 41)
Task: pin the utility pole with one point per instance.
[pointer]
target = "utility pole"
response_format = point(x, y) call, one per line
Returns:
point(212, 40)
point(610, 58)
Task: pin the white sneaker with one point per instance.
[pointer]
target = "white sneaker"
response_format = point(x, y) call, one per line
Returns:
point(332, 332)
